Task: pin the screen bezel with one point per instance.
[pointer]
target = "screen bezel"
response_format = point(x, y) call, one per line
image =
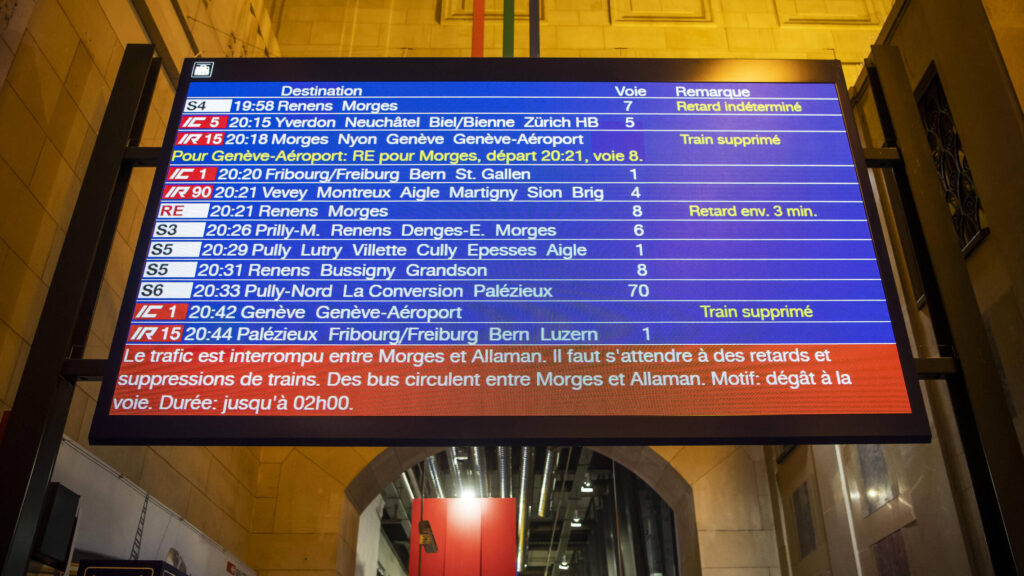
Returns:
point(565, 430)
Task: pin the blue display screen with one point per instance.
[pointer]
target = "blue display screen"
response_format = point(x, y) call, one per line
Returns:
point(494, 248)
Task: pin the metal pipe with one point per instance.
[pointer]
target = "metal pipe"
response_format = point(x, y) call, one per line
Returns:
point(435, 478)
point(480, 469)
point(453, 460)
point(504, 490)
point(525, 477)
point(545, 487)
point(410, 487)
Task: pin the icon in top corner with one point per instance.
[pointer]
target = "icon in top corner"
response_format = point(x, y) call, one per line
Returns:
point(202, 70)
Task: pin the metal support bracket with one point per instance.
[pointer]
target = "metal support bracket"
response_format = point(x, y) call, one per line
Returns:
point(882, 157)
point(146, 156)
point(82, 369)
point(936, 368)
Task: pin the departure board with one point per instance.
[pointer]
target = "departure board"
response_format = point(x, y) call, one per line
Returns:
point(410, 251)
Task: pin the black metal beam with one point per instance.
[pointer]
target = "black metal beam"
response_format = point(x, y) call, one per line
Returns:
point(29, 447)
point(882, 157)
point(993, 454)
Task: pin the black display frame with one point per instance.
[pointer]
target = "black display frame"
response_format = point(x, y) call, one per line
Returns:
point(563, 430)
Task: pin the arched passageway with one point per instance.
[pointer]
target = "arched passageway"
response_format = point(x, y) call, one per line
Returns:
point(643, 462)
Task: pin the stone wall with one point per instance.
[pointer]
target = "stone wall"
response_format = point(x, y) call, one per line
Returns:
point(796, 29)
point(58, 61)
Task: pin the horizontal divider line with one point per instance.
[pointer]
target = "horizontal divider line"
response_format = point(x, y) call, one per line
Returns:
point(478, 183)
point(532, 345)
point(485, 260)
point(506, 280)
point(412, 113)
point(582, 201)
point(574, 130)
point(348, 321)
point(408, 239)
point(536, 97)
point(491, 302)
point(637, 163)
point(282, 220)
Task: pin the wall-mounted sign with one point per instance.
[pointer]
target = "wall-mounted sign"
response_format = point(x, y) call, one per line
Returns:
point(603, 251)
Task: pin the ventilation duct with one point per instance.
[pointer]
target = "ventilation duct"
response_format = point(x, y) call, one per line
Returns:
point(453, 458)
point(525, 477)
point(504, 490)
point(435, 478)
point(480, 469)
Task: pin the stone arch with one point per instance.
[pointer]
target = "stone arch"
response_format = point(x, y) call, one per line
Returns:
point(647, 464)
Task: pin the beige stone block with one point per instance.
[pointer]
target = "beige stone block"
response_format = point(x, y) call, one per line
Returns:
point(274, 453)
point(637, 38)
point(67, 128)
point(262, 515)
point(87, 87)
point(83, 434)
point(128, 460)
point(54, 185)
point(27, 229)
point(10, 350)
point(91, 388)
point(126, 24)
point(316, 551)
point(343, 464)
point(346, 558)
point(759, 39)
point(85, 152)
point(21, 296)
point(762, 20)
point(803, 39)
point(96, 348)
point(578, 37)
point(245, 467)
point(93, 28)
point(349, 530)
point(696, 38)
point(735, 20)
point(308, 499)
point(368, 453)
point(666, 452)
point(52, 30)
point(451, 36)
point(76, 412)
point(294, 32)
point(108, 305)
point(215, 523)
point(18, 21)
point(126, 231)
point(220, 488)
point(21, 138)
point(853, 44)
point(268, 479)
point(693, 462)
point(739, 549)
point(53, 257)
point(165, 483)
point(368, 14)
point(192, 462)
point(748, 6)
point(726, 498)
point(118, 265)
point(325, 32)
point(408, 35)
point(6, 58)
